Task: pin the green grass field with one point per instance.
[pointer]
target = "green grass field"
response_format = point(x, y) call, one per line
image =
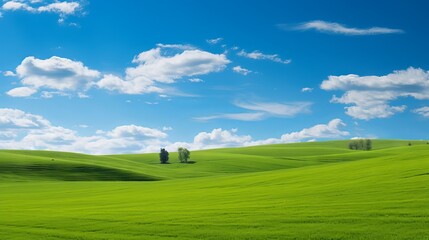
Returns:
point(317, 190)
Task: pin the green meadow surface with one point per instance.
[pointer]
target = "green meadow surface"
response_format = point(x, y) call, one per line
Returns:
point(317, 190)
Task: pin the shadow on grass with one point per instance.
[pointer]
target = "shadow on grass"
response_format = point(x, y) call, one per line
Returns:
point(72, 172)
point(189, 162)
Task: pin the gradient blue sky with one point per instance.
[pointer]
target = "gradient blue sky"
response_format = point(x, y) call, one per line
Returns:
point(133, 76)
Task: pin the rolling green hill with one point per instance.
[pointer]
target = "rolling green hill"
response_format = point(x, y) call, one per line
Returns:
point(317, 190)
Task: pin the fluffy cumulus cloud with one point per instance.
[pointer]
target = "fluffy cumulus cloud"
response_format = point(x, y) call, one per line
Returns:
point(219, 138)
point(262, 110)
point(330, 130)
point(55, 73)
point(337, 28)
point(155, 68)
point(133, 131)
point(14, 118)
point(371, 96)
point(62, 8)
point(21, 130)
point(164, 64)
point(258, 55)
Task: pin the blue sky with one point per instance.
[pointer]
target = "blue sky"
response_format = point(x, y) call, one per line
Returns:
point(134, 76)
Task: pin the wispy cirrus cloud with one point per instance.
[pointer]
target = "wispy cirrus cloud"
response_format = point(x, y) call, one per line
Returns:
point(214, 40)
point(254, 116)
point(337, 28)
point(262, 110)
point(258, 55)
point(276, 109)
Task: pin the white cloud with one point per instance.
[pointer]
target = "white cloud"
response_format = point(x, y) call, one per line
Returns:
point(114, 83)
point(66, 8)
point(195, 80)
point(21, 130)
point(62, 8)
point(135, 132)
point(55, 73)
point(214, 40)
point(51, 94)
point(165, 128)
point(151, 103)
point(15, 5)
point(276, 109)
point(155, 68)
point(14, 118)
point(256, 116)
point(219, 138)
point(336, 28)
point(306, 89)
point(330, 130)
point(424, 111)
point(176, 46)
point(262, 110)
point(371, 95)
point(240, 70)
point(258, 55)
point(82, 95)
point(158, 66)
point(9, 74)
point(21, 92)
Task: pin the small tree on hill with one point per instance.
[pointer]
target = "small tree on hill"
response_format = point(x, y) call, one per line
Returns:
point(163, 156)
point(184, 154)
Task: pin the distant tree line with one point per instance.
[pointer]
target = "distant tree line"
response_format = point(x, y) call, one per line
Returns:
point(360, 144)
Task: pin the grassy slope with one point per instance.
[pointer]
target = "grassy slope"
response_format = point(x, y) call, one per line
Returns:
point(293, 191)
